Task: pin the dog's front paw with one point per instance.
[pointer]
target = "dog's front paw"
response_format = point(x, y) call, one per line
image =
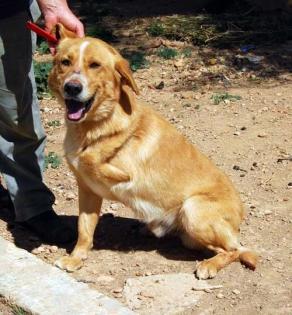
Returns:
point(205, 270)
point(69, 264)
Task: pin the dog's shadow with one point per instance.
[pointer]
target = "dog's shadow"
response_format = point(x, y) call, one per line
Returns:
point(112, 233)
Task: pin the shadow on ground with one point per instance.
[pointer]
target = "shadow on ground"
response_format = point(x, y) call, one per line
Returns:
point(112, 233)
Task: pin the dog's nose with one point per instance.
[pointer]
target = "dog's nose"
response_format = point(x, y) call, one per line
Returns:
point(73, 88)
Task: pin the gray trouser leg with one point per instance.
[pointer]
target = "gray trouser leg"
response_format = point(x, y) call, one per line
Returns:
point(22, 137)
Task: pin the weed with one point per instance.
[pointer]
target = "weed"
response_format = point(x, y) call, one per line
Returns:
point(54, 123)
point(156, 29)
point(100, 32)
point(52, 160)
point(187, 52)
point(137, 60)
point(167, 53)
point(42, 70)
point(43, 48)
point(221, 97)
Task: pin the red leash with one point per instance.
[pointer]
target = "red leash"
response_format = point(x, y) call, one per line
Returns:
point(46, 35)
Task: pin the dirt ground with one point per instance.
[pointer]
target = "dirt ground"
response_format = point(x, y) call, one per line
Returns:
point(249, 138)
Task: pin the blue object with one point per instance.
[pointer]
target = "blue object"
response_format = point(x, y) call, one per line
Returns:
point(247, 48)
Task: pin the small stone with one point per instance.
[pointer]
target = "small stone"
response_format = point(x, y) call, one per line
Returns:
point(235, 291)
point(53, 249)
point(38, 250)
point(148, 273)
point(268, 212)
point(219, 296)
point(243, 128)
point(179, 63)
point(70, 196)
point(146, 294)
point(118, 290)
point(236, 133)
point(212, 61)
point(262, 135)
point(160, 85)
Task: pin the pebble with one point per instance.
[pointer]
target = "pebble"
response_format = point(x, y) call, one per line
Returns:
point(219, 296)
point(235, 291)
point(118, 290)
point(53, 249)
point(70, 196)
point(262, 135)
point(268, 212)
point(38, 250)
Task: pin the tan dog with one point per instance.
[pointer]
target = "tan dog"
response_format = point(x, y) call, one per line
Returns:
point(122, 150)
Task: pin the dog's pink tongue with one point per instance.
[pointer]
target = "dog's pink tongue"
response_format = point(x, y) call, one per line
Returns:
point(75, 115)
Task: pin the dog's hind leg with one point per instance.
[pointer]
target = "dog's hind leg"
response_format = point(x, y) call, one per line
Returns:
point(204, 226)
point(89, 209)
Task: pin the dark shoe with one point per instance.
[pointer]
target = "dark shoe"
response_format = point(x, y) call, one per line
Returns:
point(51, 228)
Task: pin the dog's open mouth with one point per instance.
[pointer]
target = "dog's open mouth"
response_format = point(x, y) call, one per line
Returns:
point(76, 109)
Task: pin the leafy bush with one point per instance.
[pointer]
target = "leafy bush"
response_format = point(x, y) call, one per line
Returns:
point(167, 53)
point(42, 70)
point(52, 160)
point(221, 97)
point(137, 60)
point(156, 29)
point(43, 48)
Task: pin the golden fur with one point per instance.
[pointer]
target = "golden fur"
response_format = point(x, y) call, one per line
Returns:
point(123, 150)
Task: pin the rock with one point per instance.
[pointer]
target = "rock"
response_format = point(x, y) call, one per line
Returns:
point(268, 212)
point(160, 85)
point(38, 250)
point(70, 196)
point(262, 135)
point(118, 290)
point(53, 249)
point(236, 292)
point(219, 296)
point(105, 278)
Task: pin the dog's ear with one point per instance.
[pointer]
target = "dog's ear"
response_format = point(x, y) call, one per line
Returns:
point(61, 32)
point(123, 68)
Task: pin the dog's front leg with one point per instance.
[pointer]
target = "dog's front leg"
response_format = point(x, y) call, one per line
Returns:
point(89, 209)
point(112, 173)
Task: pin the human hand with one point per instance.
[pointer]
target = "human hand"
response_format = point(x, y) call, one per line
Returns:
point(57, 11)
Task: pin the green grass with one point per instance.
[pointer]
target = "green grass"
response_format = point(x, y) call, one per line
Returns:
point(221, 97)
point(43, 48)
point(156, 29)
point(52, 160)
point(167, 53)
point(137, 60)
point(229, 29)
point(54, 123)
point(42, 70)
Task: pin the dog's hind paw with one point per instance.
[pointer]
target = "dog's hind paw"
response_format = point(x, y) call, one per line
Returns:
point(206, 270)
point(70, 264)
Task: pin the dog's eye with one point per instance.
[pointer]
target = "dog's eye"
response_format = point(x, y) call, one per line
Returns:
point(94, 65)
point(66, 62)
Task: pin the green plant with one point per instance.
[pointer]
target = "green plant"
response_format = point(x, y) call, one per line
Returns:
point(99, 31)
point(221, 97)
point(54, 123)
point(167, 53)
point(187, 52)
point(53, 160)
point(43, 48)
point(156, 29)
point(137, 60)
point(41, 70)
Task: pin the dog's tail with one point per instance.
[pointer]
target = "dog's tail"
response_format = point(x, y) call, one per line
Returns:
point(248, 258)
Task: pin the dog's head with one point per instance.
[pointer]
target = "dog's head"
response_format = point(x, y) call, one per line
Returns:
point(90, 77)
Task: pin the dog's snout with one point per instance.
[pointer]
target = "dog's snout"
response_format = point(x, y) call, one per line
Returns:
point(73, 88)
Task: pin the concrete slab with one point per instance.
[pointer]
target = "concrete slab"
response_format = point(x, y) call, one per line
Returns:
point(46, 290)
